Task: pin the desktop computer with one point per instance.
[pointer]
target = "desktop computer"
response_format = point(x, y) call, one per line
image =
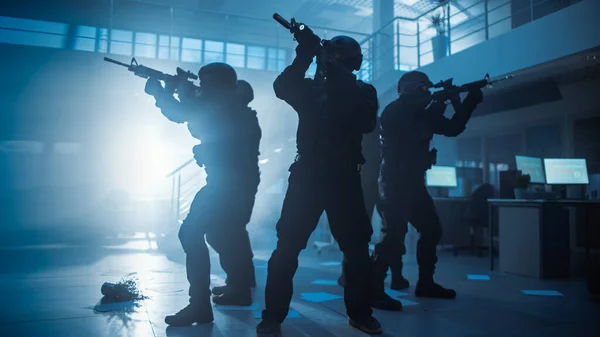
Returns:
point(566, 171)
point(569, 176)
point(441, 178)
point(532, 166)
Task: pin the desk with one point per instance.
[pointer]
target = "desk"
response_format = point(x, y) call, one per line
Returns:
point(536, 236)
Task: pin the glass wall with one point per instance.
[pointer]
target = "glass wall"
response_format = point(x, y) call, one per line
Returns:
point(140, 44)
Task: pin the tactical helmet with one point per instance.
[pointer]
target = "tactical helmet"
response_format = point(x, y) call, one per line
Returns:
point(245, 91)
point(218, 75)
point(412, 80)
point(350, 51)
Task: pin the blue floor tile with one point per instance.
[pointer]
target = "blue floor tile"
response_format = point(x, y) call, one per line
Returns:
point(331, 263)
point(395, 293)
point(325, 282)
point(408, 303)
point(476, 277)
point(542, 292)
point(291, 314)
point(319, 297)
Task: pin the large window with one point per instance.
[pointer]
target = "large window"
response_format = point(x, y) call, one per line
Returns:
point(191, 50)
point(145, 45)
point(256, 57)
point(168, 47)
point(213, 51)
point(33, 33)
point(235, 56)
point(85, 38)
point(276, 59)
point(140, 44)
point(121, 42)
point(102, 40)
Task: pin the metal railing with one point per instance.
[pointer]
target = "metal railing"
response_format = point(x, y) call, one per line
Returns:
point(408, 43)
point(186, 181)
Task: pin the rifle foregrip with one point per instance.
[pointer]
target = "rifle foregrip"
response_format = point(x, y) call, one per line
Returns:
point(282, 21)
point(474, 85)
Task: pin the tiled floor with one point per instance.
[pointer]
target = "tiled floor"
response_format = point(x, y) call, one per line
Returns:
point(53, 291)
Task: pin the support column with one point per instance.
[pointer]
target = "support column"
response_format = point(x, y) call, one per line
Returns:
point(567, 141)
point(71, 35)
point(382, 55)
point(485, 160)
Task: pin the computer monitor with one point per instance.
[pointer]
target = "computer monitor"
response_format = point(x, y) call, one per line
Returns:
point(566, 171)
point(441, 176)
point(532, 166)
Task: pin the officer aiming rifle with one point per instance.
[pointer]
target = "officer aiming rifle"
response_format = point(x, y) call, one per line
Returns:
point(328, 54)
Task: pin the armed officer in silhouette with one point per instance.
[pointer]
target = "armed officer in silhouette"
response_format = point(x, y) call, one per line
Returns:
point(217, 114)
point(407, 128)
point(370, 177)
point(334, 112)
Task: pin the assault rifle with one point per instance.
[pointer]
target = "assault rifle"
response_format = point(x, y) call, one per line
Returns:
point(326, 50)
point(171, 81)
point(449, 90)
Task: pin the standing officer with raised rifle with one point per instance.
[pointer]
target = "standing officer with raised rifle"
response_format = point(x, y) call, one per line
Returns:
point(407, 127)
point(218, 115)
point(370, 176)
point(334, 111)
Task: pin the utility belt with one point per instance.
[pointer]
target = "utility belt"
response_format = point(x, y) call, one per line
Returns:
point(330, 164)
point(411, 161)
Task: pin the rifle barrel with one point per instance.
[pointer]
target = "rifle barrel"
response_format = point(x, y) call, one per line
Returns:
point(107, 59)
point(282, 21)
point(501, 79)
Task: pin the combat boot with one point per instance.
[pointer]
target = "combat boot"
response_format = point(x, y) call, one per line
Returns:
point(398, 280)
point(268, 329)
point(379, 299)
point(190, 315)
point(399, 283)
point(236, 297)
point(428, 288)
point(383, 301)
point(369, 325)
point(220, 290)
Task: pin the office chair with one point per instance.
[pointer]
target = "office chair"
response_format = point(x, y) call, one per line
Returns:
point(476, 217)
